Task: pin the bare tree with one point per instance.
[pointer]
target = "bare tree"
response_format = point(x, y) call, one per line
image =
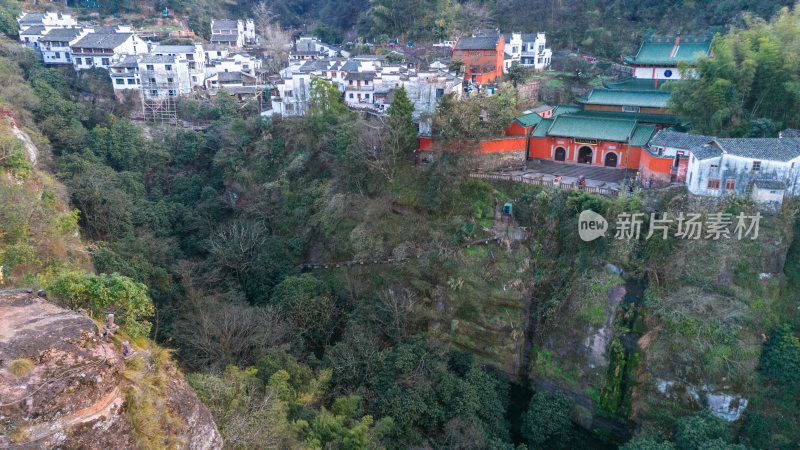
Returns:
point(276, 40)
point(214, 333)
point(394, 312)
point(472, 16)
point(379, 148)
point(235, 246)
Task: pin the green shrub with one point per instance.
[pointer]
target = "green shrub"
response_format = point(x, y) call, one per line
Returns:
point(780, 358)
point(103, 294)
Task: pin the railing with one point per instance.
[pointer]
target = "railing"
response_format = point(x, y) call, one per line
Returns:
point(353, 87)
point(574, 186)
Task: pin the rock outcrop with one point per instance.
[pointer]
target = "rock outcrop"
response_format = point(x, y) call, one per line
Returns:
point(61, 385)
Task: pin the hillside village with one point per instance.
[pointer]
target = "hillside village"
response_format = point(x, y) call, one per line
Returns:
point(623, 124)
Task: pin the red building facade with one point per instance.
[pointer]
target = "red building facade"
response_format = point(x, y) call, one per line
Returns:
point(482, 57)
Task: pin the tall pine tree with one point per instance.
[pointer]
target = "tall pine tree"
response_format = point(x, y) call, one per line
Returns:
point(402, 132)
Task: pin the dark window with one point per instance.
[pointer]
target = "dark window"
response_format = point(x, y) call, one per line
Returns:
point(713, 183)
point(106, 61)
point(756, 165)
point(150, 67)
point(730, 185)
point(131, 81)
point(167, 67)
point(120, 81)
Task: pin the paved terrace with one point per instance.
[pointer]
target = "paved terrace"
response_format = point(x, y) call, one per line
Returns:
point(601, 180)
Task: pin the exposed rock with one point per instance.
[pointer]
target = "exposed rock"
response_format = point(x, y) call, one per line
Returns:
point(73, 397)
point(598, 340)
point(616, 269)
point(728, 407)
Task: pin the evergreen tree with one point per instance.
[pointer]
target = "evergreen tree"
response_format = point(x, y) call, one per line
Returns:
point(402, 132)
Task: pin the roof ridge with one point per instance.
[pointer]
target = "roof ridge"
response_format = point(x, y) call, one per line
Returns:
point(618, 119)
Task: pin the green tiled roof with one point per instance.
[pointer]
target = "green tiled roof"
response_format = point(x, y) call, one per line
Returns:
point(541, 129)
point(642, 135)
point(529, 120)
point(572, 126)
point(640, 84)
point(566, 109)
point(650, 99)
point(668, 119)
point(665, 50)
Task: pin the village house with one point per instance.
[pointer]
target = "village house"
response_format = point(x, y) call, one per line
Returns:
point(32, 26)
point(192, 54)
point(658, 57)
point(163, 76)
point(234, 33)
point(125, 76)
point(247, 65)
point(666, 159)
point(55, 45)
point(528, 49)
point(216, 51)
point(482, 57)
point(763, 168)
point(307, 47)
point(51, 19)
point(367, 84)
point(100, 49)
point(31, 35)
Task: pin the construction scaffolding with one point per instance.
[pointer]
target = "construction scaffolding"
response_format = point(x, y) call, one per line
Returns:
point(158, 98)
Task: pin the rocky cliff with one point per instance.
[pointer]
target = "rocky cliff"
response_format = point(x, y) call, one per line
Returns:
point(62, 385)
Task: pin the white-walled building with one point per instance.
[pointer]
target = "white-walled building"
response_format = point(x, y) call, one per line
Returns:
point(31, 35)
point(528, 49)
point(367, 84)
point(658, 56)
point(216, 51)
point(192, 54)
point(34, 25)
point(103, 49)
point(240, 62)
point(125, 75)
point(156, 76)
point(234, 33)
point(766, 169)
point(308, 47)
point(56, 44)
point(164, 76)
point(51, 19)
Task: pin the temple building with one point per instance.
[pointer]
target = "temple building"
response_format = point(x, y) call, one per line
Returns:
point(658, 57)
point(594, 141)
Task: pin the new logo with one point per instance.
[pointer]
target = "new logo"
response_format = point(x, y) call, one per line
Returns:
point(591, 225)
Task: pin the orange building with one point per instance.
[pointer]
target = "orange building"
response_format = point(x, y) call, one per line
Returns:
point(609, 142)
point(482, 56)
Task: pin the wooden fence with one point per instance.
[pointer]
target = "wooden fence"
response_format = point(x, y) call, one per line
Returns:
point(574, 186)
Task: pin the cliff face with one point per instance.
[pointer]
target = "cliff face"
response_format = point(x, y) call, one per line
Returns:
point(62, 385)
